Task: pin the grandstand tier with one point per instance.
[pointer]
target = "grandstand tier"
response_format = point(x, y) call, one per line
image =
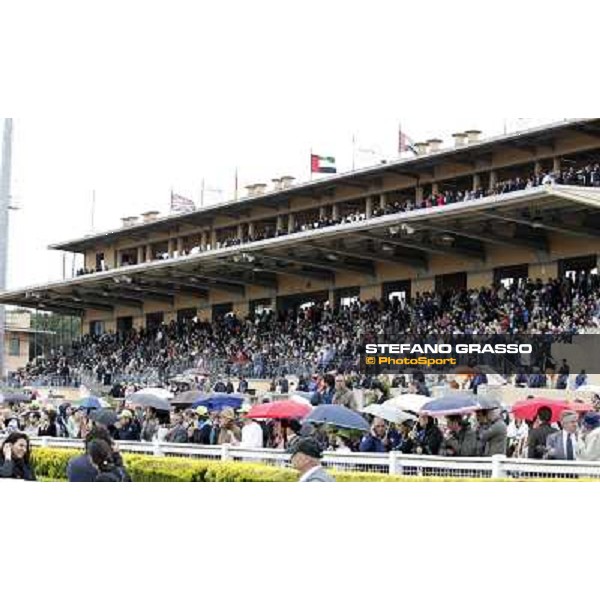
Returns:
point(518, 206)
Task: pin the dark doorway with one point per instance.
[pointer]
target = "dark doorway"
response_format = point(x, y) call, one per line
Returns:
point(451, 282)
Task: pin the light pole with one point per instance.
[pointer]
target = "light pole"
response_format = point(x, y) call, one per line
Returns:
point(4, 208)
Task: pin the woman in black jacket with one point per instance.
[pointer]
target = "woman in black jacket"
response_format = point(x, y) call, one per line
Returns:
point(15, 460)
point(429, 437)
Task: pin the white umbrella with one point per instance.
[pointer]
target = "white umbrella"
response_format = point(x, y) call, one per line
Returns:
point(301, 399)
point(592, 389)
point(390, 413)
point(412, 402)
point(158, 392)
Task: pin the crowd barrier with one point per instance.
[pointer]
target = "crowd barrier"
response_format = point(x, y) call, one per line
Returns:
point(394, 463)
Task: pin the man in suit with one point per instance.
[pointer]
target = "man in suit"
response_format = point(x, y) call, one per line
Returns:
point(306, 459)
point(563, 445)
point(536, 442)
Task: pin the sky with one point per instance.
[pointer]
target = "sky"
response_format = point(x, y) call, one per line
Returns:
point(133, 104)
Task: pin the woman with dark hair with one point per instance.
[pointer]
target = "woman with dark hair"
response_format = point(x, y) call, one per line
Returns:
point(102, 457)
point(15, 460)
point(429, 437)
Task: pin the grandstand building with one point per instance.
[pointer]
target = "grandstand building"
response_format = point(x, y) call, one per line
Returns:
point(440, 220)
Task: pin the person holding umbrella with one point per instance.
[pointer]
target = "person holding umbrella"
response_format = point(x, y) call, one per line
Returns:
point(306, 459)
point(491, 433)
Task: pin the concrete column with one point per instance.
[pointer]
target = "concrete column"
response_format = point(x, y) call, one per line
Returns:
point(493, 179)
point(556, 166)
point(382, 201)
point(116, 259)
point(369, 207)
point(419, 195)
point(240, 231)
point(476, 181)
point(537, 167)
point(291, 223)
point(171, 248)
point(335, 212)
point(203, 240)
point(279, 226)
point(322, 212)
point(213, 239)
point(140, 254)
point(179, 246)
point(251, 229)
point(149, 256)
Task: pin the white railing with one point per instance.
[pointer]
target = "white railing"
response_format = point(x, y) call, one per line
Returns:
point(394, 463)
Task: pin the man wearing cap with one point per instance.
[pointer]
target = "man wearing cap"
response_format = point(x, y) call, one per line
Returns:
point(126, 428)
point(589, 449)
point(201, 432)
point(563, 445)
point(306, 459)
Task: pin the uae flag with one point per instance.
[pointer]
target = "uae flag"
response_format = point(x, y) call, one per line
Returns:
point(322, 164)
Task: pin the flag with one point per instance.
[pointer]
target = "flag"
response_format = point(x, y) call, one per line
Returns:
point(181, 204)
point(405, 144)
point(322, 164)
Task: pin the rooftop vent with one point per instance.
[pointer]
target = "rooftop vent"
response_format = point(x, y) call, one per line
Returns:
point(421, 147)
point(473, 135)
point(460, 139)
point(150, 216)
point(434, 145)
point(287, 181)
point(129, 221)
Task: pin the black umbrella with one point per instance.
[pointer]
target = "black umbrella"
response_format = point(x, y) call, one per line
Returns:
point(104, 416)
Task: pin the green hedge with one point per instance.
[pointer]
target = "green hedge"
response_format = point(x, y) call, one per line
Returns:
point(51, 464)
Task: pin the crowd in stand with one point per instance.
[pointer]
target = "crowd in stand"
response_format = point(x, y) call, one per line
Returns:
point(586, 176)
point(320, 338)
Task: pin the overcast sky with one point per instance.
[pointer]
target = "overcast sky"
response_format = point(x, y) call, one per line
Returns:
point(157, 100)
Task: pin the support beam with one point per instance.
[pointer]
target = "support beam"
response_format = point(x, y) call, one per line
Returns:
point(540, 224)
point(325, 264)
point(423, 247)
point(270, 268)
point(70, 302)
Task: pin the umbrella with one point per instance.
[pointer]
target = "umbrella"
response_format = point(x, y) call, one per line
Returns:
point(285, 409)
point(303, 397)
point(157, 392)
point(16, 397)
point(148, 401)
point(528, 409)
point(104, 416)
point(217, 401)
point(487, 403)
point(452, 404)
point(392, 414)
point(340, 416)
point(410, 402)
point(91, 402)
point(188, 397)
point(593, 389)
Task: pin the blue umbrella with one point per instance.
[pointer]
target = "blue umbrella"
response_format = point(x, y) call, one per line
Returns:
point(90, 402)
point(339, 416)
point(452, 404)
point(217, 401)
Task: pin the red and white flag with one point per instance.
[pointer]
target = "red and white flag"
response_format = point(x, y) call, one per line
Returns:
point(181, 203)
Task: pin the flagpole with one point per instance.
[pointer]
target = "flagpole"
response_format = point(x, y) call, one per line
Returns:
point(353, 151)
point(311, 170)
point(236, 184)
point(202, 194)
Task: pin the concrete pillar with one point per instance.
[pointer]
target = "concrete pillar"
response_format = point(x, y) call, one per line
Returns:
point(369, 207)
point(149, 256)
point(322, 212)
point(476, 181)
point(291, 223)
point(179, 246)
point(213, 239)
point(382, 201)
point(537, 167)
point(140, 254)
point(335, 212)
point(203, 240)
point(240, 231)
point(251, 229)
point(116, 259)
point(493, 179)
point(556, 166)
point(171, 248)
point(279, 225)
point(419, 195)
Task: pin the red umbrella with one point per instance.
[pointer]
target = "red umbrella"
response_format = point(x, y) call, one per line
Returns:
point(528, 409)
point(286, 409)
